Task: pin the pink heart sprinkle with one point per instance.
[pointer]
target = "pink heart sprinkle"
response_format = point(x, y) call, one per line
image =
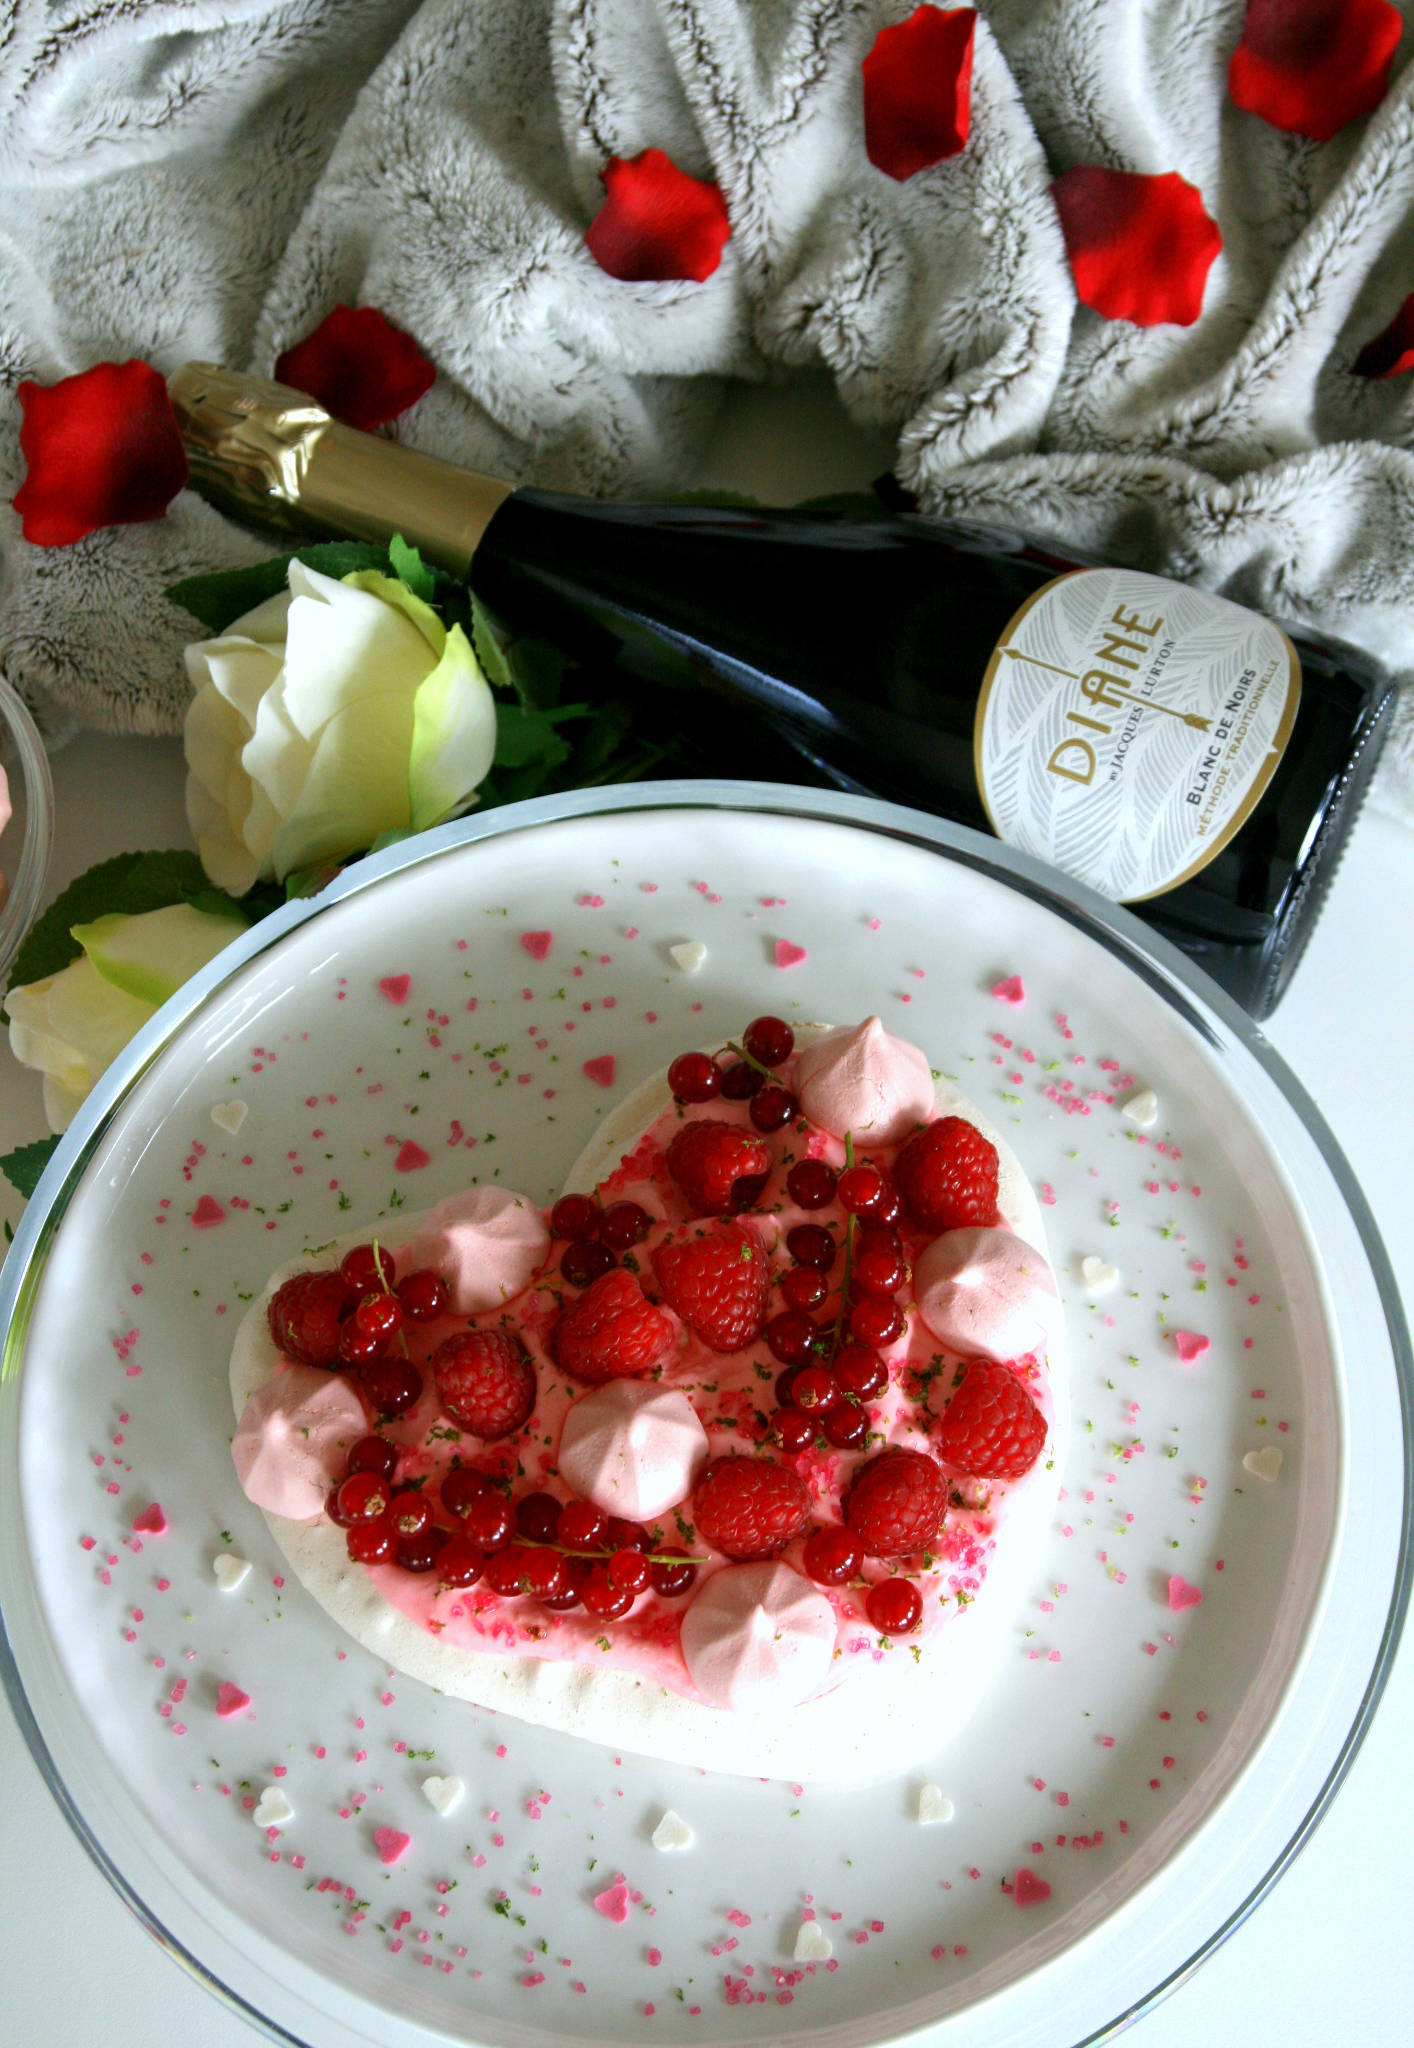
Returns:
point(1030, 1890)
point(614, 1903)
point(410, 1157)
point(601, 1070)
point(1182, 1595)
point(396, 987)
point(230, 1699)
point(788, 954)
point(391, 1843)
point(1190, 1345)
point(1010, 990)
point(207, 1212)
point(537, 944)
point(151, 1522)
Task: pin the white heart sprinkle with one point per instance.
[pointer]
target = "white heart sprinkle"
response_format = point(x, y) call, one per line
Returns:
point(229, 1116)
point(1142, 1108)
point(274, 1809)
point(672, 1832)
point(689, 955)
point(1098, 1274)
point(1263, 1464)
point(443, 1793)
point(812, 1944)
point(230, 1571)
point(933, 1805)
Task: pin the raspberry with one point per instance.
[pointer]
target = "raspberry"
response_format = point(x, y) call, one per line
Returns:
point(991, 1428)
point(613, 1332)
point(304, 1314)
point(716, 1280)
point(485, 1382)
point(710, 1159)
point(947, 1175)
point(896, 1502)
point(749, 1507)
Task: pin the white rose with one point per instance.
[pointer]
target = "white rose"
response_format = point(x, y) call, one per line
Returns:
point(329, 715)
point(73, 1024)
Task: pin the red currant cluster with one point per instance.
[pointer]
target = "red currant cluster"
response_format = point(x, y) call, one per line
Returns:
point(834, 1556)
point(562, 1554)
point(354, 1317)
point(597, 1238)
point(766, 1043)
point(831, 1370)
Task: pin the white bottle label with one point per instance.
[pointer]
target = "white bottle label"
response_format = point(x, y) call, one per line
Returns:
point(1128, 725)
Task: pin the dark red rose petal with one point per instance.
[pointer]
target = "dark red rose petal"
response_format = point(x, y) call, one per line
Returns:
point(1309, 66)
point(657, 222)
point(101, 448)
point(1140, 248)
point(361, 368)
point(1390, 354)
point(918, 90)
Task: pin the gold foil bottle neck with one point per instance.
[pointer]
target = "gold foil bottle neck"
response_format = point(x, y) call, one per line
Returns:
point(267, 453)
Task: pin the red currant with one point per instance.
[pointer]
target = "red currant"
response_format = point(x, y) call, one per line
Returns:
point(393, 1385)
point(672, 1573)
point(860, 1372)
point(576, 1572)
point(894, 1607)
point(505, 1571)
point(803, 1287)
point(363, 1497)
point(812, 1245)
point(793, 1430)
point(604, 1600)
point(846, 1425)
point(623, 1225)
point(629, 1570)
point(784, 1388)
point(410, 1514)
point(770, 1040)
point(379, 1315)
point(586, 1260)
point(772, 1108)
point(420, 1553)
point(861, 1189)
point(537, 1517)
point(459, 1562)
point(371, 1543)
point(581, 1526)
point(740, 1081)
point(815, 1389)
point(461, 1486)
point(356, 1345)
point(879, 1263)
point(374, 1454)
point(545, 1574)
point(423, 1295)
point(575, 1217)
point(334, 1511)
point(694, 1077)
point(832, 1556)
point(367, 1266)
point(811, 1183)
point(791, 1336)
point(876, 1320)
point(487, 1522)
point(620, 1534)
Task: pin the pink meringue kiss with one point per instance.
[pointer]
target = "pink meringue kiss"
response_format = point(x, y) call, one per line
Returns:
point(293, 1439)
point(758, 1636)
point(487, 1243)
point(861, 1078)
point(632, 1448)
point(987, 1294)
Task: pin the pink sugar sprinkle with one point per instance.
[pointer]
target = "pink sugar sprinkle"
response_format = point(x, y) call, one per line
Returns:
point(230, 1699)
point(411, 1157)
point(1190, 1344)
point(614, 1903)
point(151, 1521)
point(207, 1214)
point(786, 953)
point(601, 1070)
point(537, 944)
point(391, 1844)
point(396, 987)
point(1010, 990)
point(1182, 1595)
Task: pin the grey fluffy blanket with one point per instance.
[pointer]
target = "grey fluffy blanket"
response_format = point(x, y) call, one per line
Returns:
point(190, 179)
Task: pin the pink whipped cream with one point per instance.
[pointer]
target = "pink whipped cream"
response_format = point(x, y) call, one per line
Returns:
point(292, 1442)
point(987, 1294)
point(632, 1447)
point(486, 1242)
point(861, 1079)
point(759, 1636)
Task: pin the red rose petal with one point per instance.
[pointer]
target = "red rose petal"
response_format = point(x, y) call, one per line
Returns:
point(1140, 248)
point(101, 448)
point(360, 367)
point(1309, 66)
point(918, 90)
point(1390, 354)
point(657, 222)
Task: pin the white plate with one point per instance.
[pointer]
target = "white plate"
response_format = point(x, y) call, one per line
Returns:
point(1154, 1767)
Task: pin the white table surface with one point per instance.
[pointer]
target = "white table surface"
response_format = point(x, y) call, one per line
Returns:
point(1324, 1959)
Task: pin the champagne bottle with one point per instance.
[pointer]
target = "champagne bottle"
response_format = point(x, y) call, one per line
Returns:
point(1174, 750)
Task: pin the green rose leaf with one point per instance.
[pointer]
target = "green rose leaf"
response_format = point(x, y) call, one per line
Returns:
point(226, 595)
point(22, 1167)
